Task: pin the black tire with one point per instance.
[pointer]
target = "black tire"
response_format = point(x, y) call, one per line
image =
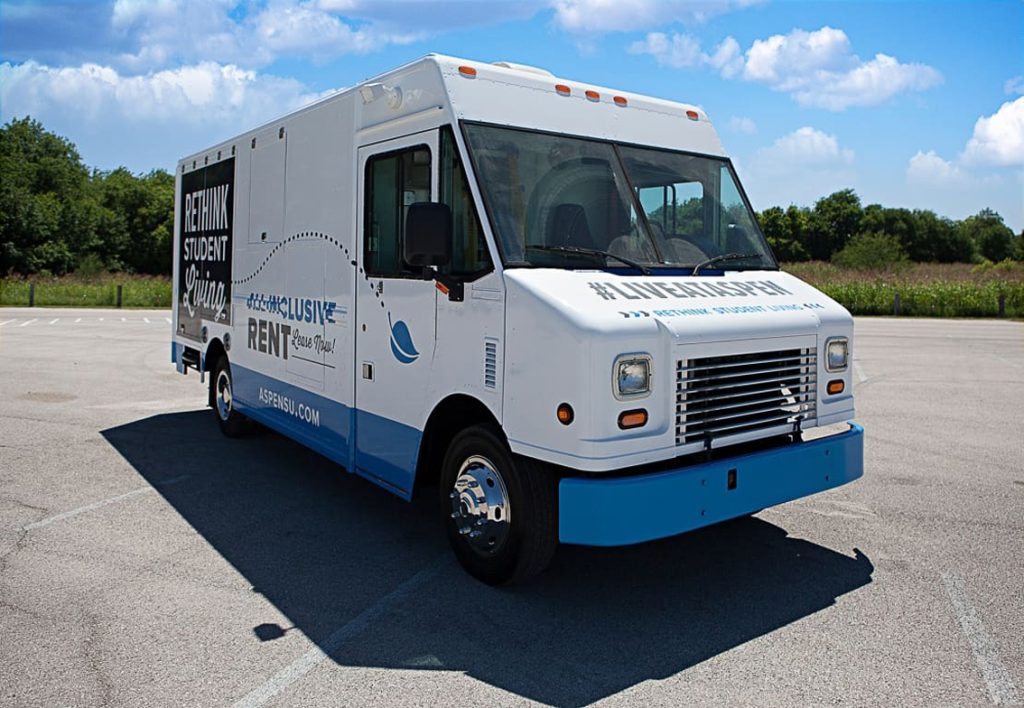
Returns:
point(526, 545)
point(232, 423)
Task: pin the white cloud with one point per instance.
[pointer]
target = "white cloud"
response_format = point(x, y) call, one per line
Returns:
point(928, 169)
point(601, 16)
point(808, 147)
point(998, 139)
point(786, 61)
point(798, 168)
point(742, 124)
point(201, 93)
point(818, 69)
point(1014, 85)
point(147, 120)
point(679, 52)
point(161, 33)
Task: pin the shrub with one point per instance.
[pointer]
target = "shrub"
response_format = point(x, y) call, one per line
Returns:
point(872, 250)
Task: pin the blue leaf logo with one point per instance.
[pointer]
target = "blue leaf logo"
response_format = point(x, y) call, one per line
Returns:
point(401, 342)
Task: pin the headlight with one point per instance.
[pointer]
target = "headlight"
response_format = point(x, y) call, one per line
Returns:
point(837, 354)
point(632, 376)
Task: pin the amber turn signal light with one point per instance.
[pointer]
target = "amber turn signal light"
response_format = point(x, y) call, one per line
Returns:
point(565, 414)
point(835, 387)
point(633, 419)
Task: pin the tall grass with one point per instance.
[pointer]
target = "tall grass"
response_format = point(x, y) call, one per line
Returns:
point(925, 289)
point(91, 291)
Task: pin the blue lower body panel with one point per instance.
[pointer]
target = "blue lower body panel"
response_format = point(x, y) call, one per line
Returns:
point(616, 512)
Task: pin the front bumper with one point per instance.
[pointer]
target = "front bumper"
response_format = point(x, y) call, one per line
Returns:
point(624, 510)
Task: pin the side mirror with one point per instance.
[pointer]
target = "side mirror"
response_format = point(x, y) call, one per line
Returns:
point(428, 234)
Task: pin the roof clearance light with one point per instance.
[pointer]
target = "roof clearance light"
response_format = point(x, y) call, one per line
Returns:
point(621, 101)
point(468, 71)
point(693, 115)
point(593, 95)
point(563, 90)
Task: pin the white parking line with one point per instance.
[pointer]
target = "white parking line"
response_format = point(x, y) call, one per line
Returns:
point(78, 320)
point(168, 320)
point(26, 323)
point(103, 502)
point(146, 320)
point(123, 319)
point(859, 370)
point(308, 661)
point(54, 320)
point(997, 679)
point(5, 322)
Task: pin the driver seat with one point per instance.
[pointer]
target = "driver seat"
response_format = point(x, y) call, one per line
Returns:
point(568, 226)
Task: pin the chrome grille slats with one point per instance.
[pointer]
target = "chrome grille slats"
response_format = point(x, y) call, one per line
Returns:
point(722, 396)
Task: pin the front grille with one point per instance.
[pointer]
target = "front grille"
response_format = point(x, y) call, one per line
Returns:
point(722, 396)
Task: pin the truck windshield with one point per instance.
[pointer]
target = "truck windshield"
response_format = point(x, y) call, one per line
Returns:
point(567, 202)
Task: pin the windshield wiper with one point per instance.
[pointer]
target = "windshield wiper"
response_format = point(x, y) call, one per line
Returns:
point(722, 258)
point(592, 252)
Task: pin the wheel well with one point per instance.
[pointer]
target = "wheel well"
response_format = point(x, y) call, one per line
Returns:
point(450, 416)
point(213, 354)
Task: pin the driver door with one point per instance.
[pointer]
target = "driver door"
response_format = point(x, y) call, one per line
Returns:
point(395, 311)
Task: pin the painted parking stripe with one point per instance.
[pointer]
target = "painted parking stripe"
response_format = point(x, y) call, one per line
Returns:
point(308, 661)
point(6, 322)
point(859, 370)
point(26, 323)
point(146, 320)
point(997, 679)
point(168, 320)
point(101, 503)
point(78, 320)
point(55, 320)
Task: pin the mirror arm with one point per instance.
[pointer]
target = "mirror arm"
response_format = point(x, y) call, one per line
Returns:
point(453, 287)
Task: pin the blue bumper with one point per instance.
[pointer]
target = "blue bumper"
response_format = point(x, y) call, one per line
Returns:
point(623, 510)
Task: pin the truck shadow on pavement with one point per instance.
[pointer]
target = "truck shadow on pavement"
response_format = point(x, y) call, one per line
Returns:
point(323, 546)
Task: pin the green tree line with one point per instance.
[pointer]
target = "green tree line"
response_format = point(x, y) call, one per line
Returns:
point(57, 216)
point(837, 228)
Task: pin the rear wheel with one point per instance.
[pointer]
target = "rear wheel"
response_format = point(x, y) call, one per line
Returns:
point(500, 511)
point(232, 423)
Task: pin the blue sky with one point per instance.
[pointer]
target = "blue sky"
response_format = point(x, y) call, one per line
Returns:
point(915, 104)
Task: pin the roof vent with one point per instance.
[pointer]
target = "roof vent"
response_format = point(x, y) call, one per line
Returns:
point(523, 67)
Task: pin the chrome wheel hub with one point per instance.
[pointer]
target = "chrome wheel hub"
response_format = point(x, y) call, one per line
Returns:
point(480, 505)
point(223, 395)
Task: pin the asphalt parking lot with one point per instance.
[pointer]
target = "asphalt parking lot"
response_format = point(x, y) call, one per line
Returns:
point(146, 560)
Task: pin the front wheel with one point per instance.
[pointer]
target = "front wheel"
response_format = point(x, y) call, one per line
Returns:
point(500, 511)
point(232, 423)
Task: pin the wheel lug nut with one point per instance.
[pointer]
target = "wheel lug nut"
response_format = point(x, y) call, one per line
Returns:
point(463, 532)
point(476, 534)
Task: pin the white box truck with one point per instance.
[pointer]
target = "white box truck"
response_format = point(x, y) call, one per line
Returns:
point(550, 299)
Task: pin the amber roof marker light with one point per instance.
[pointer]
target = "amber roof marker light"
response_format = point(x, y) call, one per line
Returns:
point(468, 71)
point(620, 101)
point(693, 115)
point(592, 95)
point(563, 90)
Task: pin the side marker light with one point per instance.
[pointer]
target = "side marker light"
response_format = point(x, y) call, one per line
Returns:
point(836, 386)
point(633, 419)
point(565, 414)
